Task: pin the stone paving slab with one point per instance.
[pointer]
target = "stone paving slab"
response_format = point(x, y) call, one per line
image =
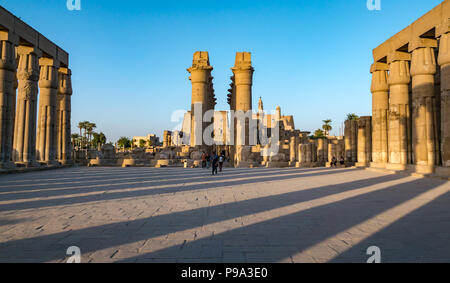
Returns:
point(242, 215)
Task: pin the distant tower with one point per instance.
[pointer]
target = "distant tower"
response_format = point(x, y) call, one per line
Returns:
point(260, 105)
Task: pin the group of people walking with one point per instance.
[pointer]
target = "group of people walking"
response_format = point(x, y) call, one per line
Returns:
point(213, 161)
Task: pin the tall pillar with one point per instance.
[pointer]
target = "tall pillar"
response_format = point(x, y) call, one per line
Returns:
point(444, 63)
point(7, 95)
point(200, 78)
point(364, 141)
point(322, 151)
point(424, 128)
point(399, 116)
point(26, 113)
point(351, 141)
point(293, 149)
point(63, 111)
point(380, 108)
point(243, 81)
point(46, 132)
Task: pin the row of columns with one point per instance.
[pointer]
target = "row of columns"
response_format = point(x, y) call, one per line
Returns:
point(407, 107)
point(25, 137)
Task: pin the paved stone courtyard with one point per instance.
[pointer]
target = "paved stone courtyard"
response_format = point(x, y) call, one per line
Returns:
point(242, 215)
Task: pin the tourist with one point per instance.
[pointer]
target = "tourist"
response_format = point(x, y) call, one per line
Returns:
point(334, 162)
point(342, 161)
point(203, 160)
point(221, 160)
point(214, 161)
point(208, 161)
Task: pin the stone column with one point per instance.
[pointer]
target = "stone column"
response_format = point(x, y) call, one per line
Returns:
point(63, 116)
point(351, 141)
point(380, 107)
point(322, 149)
point(444, 63)
point(200, 75)
point(399, 116)
point(243, 81)
point(293, 146)
point(26, 113)
point(332, 150)
point(364, 141)
point(46, 132)
point(7, 95)
point(424, 134)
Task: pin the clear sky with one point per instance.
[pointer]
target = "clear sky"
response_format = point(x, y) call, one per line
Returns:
point(129, 57)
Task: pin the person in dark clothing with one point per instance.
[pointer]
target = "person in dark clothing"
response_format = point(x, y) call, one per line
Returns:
point(333, 162)
point(342, 161)
point(214, 161)
point(203, 160)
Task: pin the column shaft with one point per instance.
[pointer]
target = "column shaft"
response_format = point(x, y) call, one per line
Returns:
point(48, 83)
point(380, 107)
point(399, 116)
point(25, 126)
point(444, 62)
point(423, 69)
point(7, 70)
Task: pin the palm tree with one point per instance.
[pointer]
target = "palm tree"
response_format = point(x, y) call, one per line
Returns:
point(90, 130)
point(327, 127)
point(352, 117)
point(75, 139)
point(319, 134)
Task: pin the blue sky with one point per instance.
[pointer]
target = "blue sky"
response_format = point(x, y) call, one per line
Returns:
point(129, 58)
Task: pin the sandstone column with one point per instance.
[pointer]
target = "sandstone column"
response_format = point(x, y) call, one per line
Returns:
point(351, 141)
point(399, 116)
point(26, 113)
point(7, 95)
point(46, 132)
point(293, 149)
point(364, 141)
point(322, 149)
point(424, 134)
point(380, 107)
point(63, 116)
point(444, 62)
point(200, 79)
point(243, 81)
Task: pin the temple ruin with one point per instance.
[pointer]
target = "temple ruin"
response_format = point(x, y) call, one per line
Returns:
point(34, 132)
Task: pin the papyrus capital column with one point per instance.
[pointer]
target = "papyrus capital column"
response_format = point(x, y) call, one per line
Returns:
point(200, 78)
point(7, 95)
point(46, 132)
point(63, 114)
point(399, 110)
point(243, 81)
point(444, 63)
point(424, 129)
point(380, 108)
point(26, 113)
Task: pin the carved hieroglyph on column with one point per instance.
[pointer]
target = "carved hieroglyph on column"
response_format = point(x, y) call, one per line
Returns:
point(424, 129)
point(200, 79)
point(399, 116)
point(26, 113)
point(7, 70)
point(63, 112)
point(380, 107)
point(46, 132)
point(444, 62)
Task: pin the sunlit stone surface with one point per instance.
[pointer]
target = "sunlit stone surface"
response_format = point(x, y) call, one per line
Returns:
point(242, 215)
